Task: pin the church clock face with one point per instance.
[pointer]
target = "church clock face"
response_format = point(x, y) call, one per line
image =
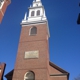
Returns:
point(1, 3)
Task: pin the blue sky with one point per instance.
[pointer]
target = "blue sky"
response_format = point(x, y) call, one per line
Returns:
point(64, 42)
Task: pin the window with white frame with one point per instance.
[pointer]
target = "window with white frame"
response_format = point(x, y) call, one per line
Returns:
point(38, 13)
point(33, 31)
point(32, 13)
point(1, 3)
point(29, 76)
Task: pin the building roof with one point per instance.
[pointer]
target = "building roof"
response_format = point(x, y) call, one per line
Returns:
point(59, 69)
point(10, 74)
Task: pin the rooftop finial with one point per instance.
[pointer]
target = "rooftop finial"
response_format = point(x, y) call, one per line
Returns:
point(25, 16)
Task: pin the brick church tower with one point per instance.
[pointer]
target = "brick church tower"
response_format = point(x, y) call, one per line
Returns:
point(32, 61)
point(3, 7)
point(33, 55)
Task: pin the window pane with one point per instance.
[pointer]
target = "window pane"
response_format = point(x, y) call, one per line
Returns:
point(38, 12)
point(33, 31)
point(32, 13)
point(30, 76)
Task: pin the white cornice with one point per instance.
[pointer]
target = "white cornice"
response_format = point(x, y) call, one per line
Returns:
point(36, 7)
point(25, 24)
point(33, 22)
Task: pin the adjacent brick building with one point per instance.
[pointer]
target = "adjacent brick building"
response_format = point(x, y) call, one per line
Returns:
point(3, 7)
point(2, 69)
point(32, 61)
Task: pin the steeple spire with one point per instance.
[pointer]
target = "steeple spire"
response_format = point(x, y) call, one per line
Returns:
point(36, 13)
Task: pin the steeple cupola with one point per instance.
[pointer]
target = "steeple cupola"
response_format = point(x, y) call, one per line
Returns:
point(36, 13)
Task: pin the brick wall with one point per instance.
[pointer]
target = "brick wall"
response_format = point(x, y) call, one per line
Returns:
point(2, 68)
point(32, 43)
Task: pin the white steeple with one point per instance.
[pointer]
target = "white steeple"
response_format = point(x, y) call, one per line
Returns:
point(36, 13)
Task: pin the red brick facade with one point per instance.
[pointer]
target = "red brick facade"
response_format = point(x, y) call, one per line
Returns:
point(3, 9)
point(2, 68)
point(32, 43)
point(42, 68)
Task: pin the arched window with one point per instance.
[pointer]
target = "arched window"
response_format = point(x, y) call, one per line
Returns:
point(29, 76)
point(33, 31)
point(32, 13)
point(38, 13)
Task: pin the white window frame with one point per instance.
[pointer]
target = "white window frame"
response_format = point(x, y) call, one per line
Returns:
point(2, 4)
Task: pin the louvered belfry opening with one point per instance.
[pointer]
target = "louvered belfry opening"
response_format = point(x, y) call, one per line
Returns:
point(32, 13)
point(38, 13)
